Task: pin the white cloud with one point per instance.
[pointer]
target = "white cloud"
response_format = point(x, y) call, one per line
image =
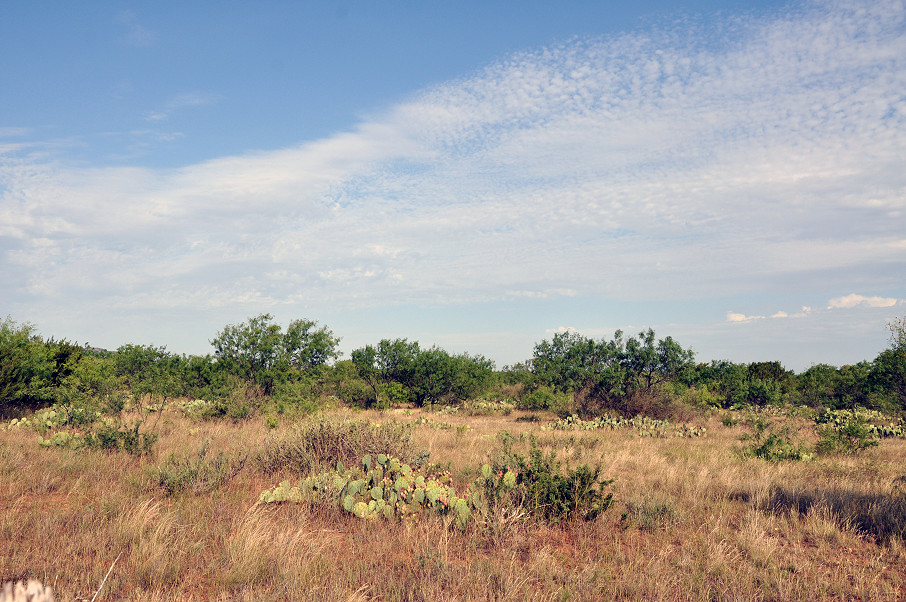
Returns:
point(854, 300)
point(804, 312)
point(736, 317)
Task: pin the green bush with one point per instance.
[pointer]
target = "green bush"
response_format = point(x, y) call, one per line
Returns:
point(774, 446)
point(851, 437)
point(243, 400)
point(544, 489)
point(541, 398)
point(357, 393)
point(33, 373)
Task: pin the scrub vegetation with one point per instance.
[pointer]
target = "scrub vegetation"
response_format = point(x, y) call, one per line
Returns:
point(599, 469)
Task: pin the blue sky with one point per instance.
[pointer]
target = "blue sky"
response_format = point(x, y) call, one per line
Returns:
point(477, 175)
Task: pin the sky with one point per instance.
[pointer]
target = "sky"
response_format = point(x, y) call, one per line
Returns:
point(472, 175)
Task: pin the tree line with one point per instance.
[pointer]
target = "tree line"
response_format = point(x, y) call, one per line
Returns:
point(258, 362)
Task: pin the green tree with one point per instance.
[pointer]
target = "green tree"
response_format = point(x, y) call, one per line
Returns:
point(439, 377)
point(26, 366)
point(392, 361)
point(259, 351)
point(606, 374)
point(887, 375)
point(816, 385)
point(573, 363)
point(149, 371)
point(398, 367)
point(652, 362)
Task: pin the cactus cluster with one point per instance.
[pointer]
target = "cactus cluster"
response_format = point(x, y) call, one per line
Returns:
point(195, 408)
point(646, 427)
point(55, 417)
point(486, 407)
point(63, 439)
point(384, 486)
point(877, 423)
point(517, 486)
point(436, 424)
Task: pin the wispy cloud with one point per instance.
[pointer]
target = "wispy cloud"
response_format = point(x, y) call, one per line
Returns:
point(635, 168)
point(181, 101)
point(136, 34)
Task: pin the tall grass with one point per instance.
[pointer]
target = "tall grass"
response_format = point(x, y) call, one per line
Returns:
point(692, 520)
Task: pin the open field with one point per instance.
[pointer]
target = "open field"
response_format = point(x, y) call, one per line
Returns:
point(692, 520)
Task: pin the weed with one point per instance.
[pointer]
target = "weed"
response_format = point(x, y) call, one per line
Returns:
point(201, 475)
point(651, 512)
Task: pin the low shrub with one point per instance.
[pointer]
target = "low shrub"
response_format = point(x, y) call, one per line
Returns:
point(243, 400)
point(544, 398)
point(544, 489)
point(311, 445)
point(774, 446)
point(850, 437)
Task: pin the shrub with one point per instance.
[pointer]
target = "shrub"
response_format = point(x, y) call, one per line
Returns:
point(325, 442)
point(545, 490)
point(850, 437)
point(357, 393)
point(244, 399)
point(541, 398)
point(774, 446)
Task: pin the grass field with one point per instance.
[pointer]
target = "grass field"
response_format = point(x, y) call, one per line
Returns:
point(692, 520)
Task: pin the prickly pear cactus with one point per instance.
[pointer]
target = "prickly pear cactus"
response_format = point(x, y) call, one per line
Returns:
point(382, 488)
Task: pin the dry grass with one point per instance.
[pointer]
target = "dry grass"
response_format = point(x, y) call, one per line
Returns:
point(693, 521)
